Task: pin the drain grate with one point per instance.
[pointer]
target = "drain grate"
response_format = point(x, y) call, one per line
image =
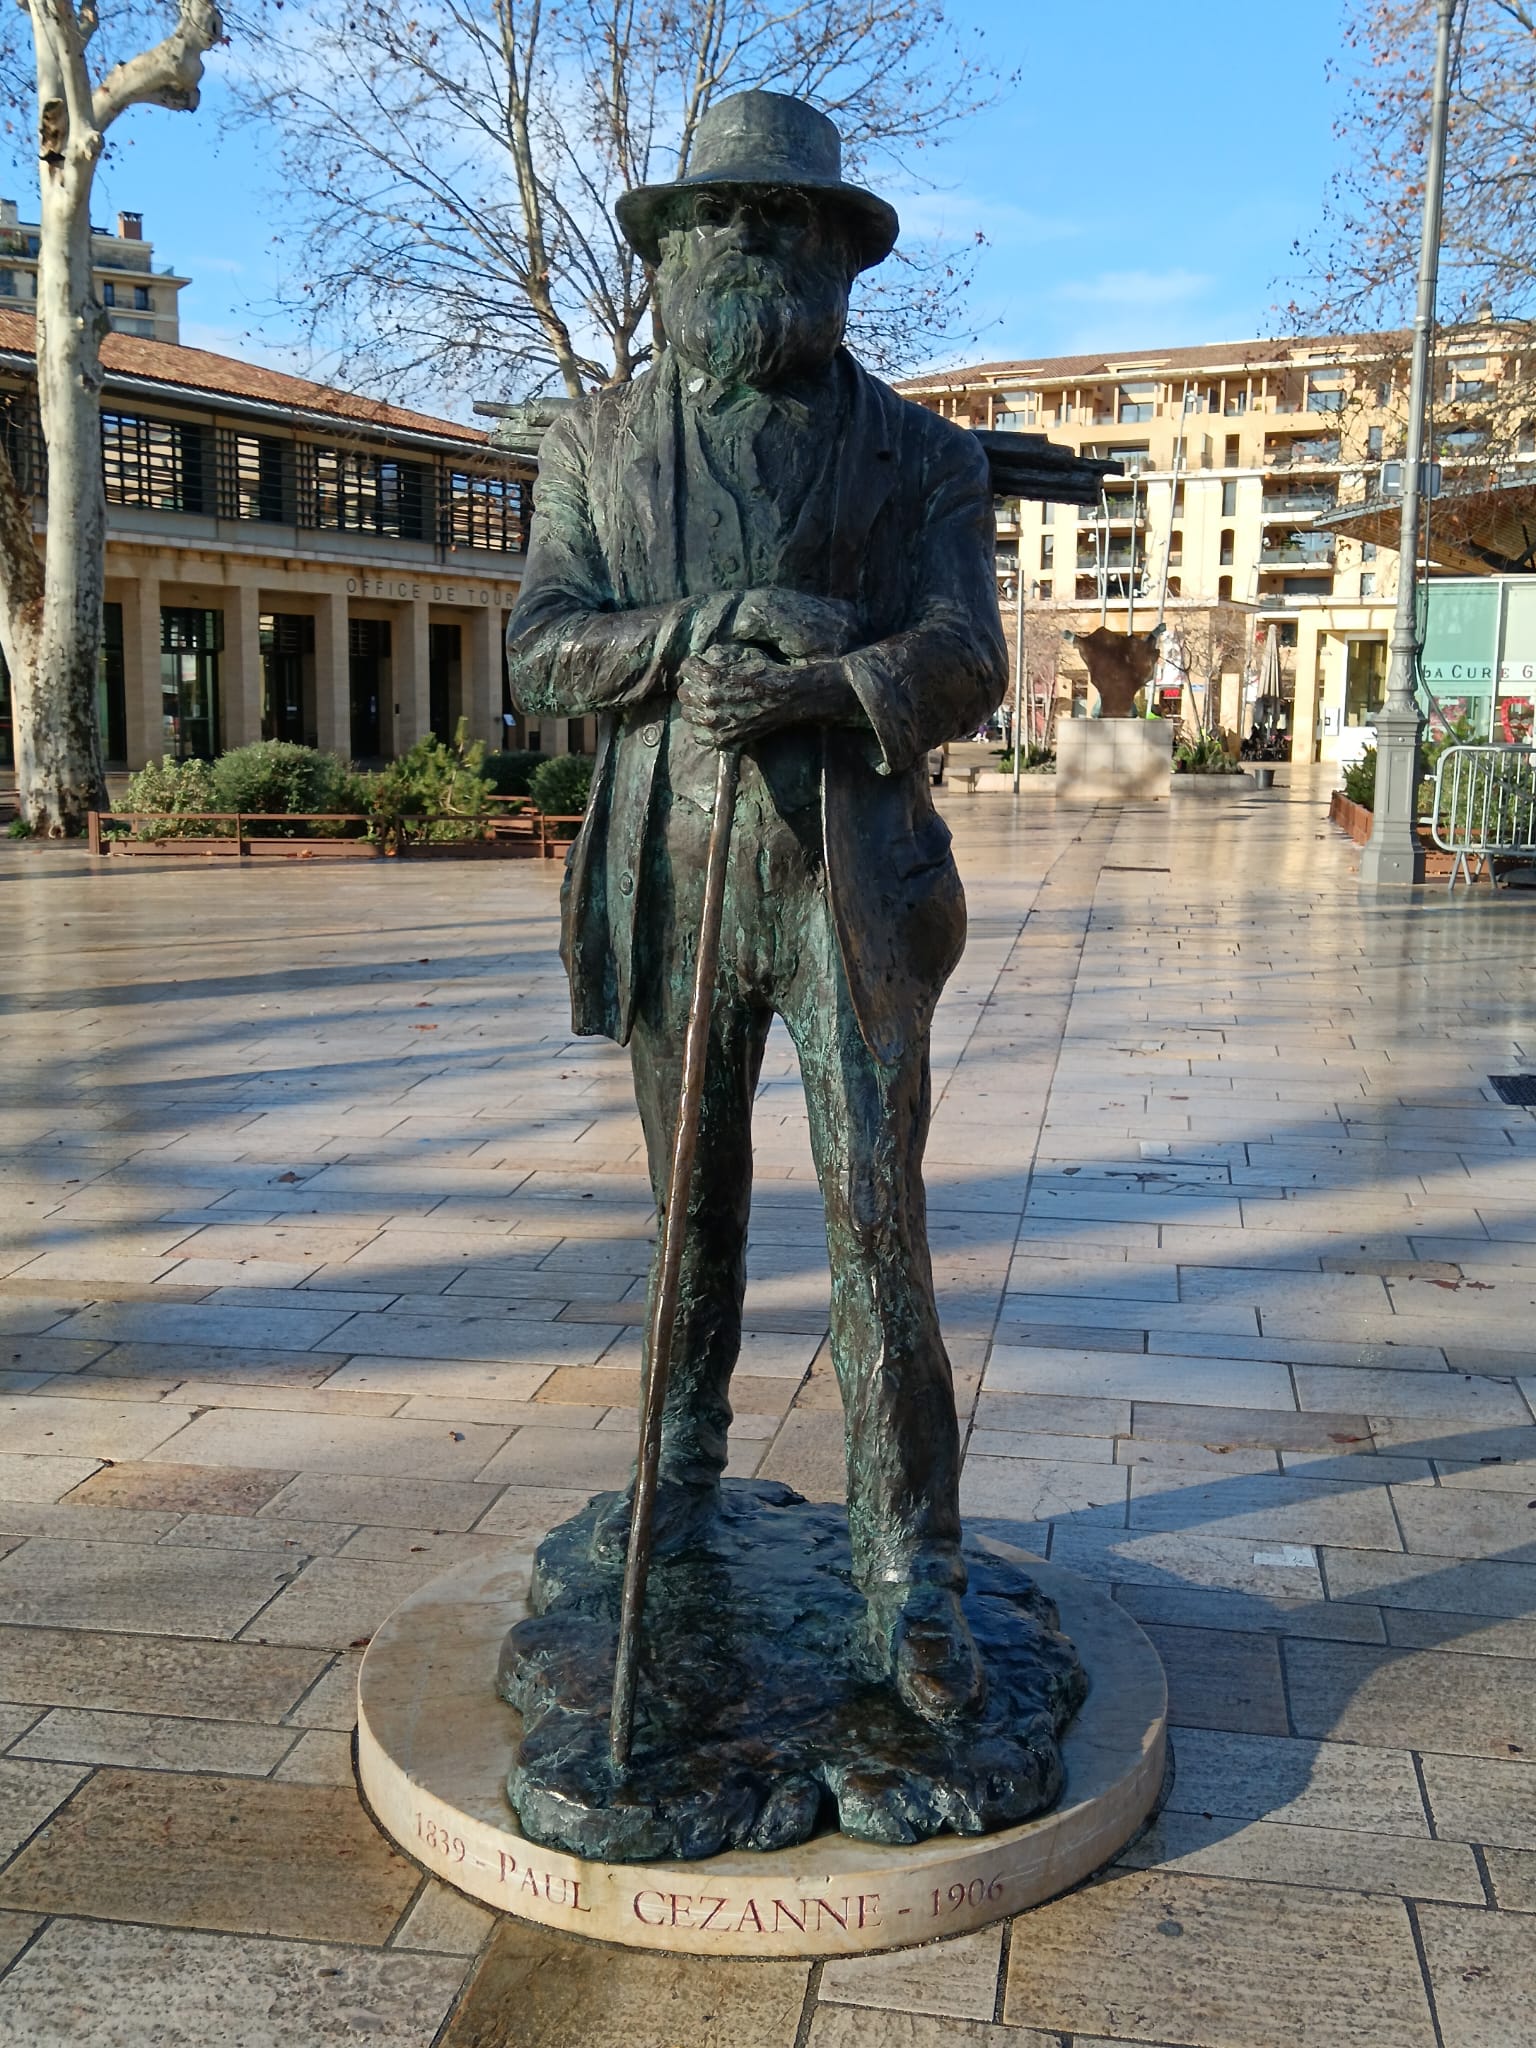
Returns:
point(1519, 1089)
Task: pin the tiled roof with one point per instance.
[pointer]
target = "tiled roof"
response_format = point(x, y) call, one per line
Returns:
point(208, 375)
point(1256, 354)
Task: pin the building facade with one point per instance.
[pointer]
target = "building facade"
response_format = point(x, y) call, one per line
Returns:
point(287, 561)
point(1235, 457)
point(135, 296)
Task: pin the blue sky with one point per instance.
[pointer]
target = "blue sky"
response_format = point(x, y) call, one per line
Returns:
point(1208, 127)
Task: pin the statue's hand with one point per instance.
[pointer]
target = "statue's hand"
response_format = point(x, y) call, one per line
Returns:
point(794, 625)
point(733, 696)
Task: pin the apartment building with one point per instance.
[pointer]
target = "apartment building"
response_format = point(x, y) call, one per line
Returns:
point(1236, 457)
point(285, 560)
point(136, 297)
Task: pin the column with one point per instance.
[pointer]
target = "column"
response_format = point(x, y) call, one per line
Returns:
point(141, 669)
point(240, 666)
point(1305, 713)
point(333, 675)
point(482, 676)
point(412, 676)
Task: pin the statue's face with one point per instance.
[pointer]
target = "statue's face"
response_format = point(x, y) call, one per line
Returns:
point(753, 284)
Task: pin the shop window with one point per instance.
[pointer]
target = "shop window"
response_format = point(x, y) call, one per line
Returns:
point(157, 464)
point(445, 680)
point(1365, 681)
point(190, 644)
point(111, 686)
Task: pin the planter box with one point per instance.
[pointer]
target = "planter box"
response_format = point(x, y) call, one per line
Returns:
point(1113, 760)
point(174, 849)
point(1354, 819)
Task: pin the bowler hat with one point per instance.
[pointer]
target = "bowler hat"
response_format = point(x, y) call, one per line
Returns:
point(766, 139)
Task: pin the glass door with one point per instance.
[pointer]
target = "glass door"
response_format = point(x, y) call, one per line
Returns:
point(190, 642)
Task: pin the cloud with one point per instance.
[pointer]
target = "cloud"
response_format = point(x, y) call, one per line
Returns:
point(1132, 290)
point(955, 216)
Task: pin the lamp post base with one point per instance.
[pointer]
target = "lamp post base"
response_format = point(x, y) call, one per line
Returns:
point(1393, 856)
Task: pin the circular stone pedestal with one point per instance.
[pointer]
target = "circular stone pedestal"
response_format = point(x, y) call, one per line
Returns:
point(434, 1742)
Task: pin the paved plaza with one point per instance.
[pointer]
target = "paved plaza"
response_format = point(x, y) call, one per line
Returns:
point(322, 1248)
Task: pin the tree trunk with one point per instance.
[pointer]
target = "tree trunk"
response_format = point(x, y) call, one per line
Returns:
point(58, 742)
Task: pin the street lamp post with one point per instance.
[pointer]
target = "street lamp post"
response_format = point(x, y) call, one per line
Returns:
point(1392, 855)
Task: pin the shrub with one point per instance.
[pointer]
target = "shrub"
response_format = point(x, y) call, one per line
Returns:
point(277, 775)
point(1360, 780)
point(510, 773)
point(443, 787)
point(1036, 761)
point(561, 787)
point(168, 785)
point(1203, 753)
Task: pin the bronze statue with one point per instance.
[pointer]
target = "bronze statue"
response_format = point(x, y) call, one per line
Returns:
point(757, 546)
point(1119, 664)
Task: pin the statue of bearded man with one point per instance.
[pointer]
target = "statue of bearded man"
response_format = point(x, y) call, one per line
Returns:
point(758, 545)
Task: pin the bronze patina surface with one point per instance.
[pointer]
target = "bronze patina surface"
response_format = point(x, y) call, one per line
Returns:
point(756, 545)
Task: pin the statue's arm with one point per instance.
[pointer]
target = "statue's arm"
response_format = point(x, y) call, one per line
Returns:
point(947, 670)
point(570, 648)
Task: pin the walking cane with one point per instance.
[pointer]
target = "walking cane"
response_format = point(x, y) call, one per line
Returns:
point(674, 1227)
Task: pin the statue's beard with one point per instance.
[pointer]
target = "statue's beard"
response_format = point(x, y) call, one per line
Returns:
point(749, 320)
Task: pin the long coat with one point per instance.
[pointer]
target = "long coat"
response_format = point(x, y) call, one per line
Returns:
point(899, 523)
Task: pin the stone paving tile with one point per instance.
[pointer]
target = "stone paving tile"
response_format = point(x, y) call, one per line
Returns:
point(156, 1742)
point(29, 1793)
point(43, 1425)
point(1221, 1679)
point(397, 1503)
point(1117, 1375)
point(238, 1855)
point(154, 1674)
point(1473, 1635)
point(845, 2026)
point(335, 1602)
point(1033, 1490)
point(321, 1756)
point(1467, 1706)
point(541, 1992)
point(1512, 1873)
point(352, 1444)
point(444, 1922)
point(952, 1979)
point(1192, 1422)
point(186, 1489)
point(1482, 1968)
point(1477, 1799)
point(1488, 1588)
point(1207, 1607)
point(137, 1588)
point(561, 1458)
point(1477, 1403)
point(179, 1322)
point(1185, 1558)
point(228, 1364)
point(1274, 1510)
point(1462, 1522)
point(1235, 1969)
point(1280, 1778)
point(33, 1476)
point(1334, 1858)
point(73, 1987)
point(16, 1930)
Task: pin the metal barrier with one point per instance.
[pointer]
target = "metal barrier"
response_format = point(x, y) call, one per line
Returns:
point(1484, 806)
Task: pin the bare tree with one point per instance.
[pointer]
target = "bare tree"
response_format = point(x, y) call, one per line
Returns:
point(50, 607)
point(1215, 643)
point(451, 168)
point(1358, 270)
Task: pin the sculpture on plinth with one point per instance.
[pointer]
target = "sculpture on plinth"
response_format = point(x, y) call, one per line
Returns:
point(1119, 665)
point(772, 580)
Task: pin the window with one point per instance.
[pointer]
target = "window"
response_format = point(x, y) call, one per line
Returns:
point(1365, 680)
point(141, 298)
point(1384, 391)
point(1138, 402)
point(1178, 501)
point(1226, 547)
point(1047, 551)
point(484, 511)
point(7, 284)
point(1237, 404)
point(1047, 515)
point(1175, 548)
point(154, 463)
point(1043, 588)
point(1233, 455)
point(255, 477)
point(1367, 551)
point(344, 490)
point(1224, 590)
point(1375, 441)
point(189, 682)
point(109, 295)
point(1368, 583)
point(21, 429)
point(1175, 587)
point(1229, 501)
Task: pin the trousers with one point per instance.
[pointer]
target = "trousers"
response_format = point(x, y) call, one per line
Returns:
point(868, 1126)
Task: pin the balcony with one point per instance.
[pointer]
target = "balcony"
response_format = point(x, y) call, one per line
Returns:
point(1300, 504)
point(1316, 454)
point(1311, 552)
point(1119, 558)
point(1119, 513)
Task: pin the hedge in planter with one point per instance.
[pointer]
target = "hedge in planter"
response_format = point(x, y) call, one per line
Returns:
point(561, 787)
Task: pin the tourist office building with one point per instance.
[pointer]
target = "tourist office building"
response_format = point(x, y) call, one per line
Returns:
point(1255, 507)
point(286, 561)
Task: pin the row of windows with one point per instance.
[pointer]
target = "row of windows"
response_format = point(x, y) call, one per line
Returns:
point(180, 466)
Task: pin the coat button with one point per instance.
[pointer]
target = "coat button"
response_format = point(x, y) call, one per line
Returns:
point(626, 883)
point(650, 734)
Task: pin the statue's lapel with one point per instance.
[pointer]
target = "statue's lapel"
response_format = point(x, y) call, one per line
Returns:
point(646, 495)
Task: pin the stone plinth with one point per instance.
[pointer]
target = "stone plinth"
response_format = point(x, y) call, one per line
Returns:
point(435, 1742)
point(1113, 760)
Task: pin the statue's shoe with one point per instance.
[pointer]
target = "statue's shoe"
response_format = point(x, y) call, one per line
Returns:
point(684, 1517)
point(933, 1659)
